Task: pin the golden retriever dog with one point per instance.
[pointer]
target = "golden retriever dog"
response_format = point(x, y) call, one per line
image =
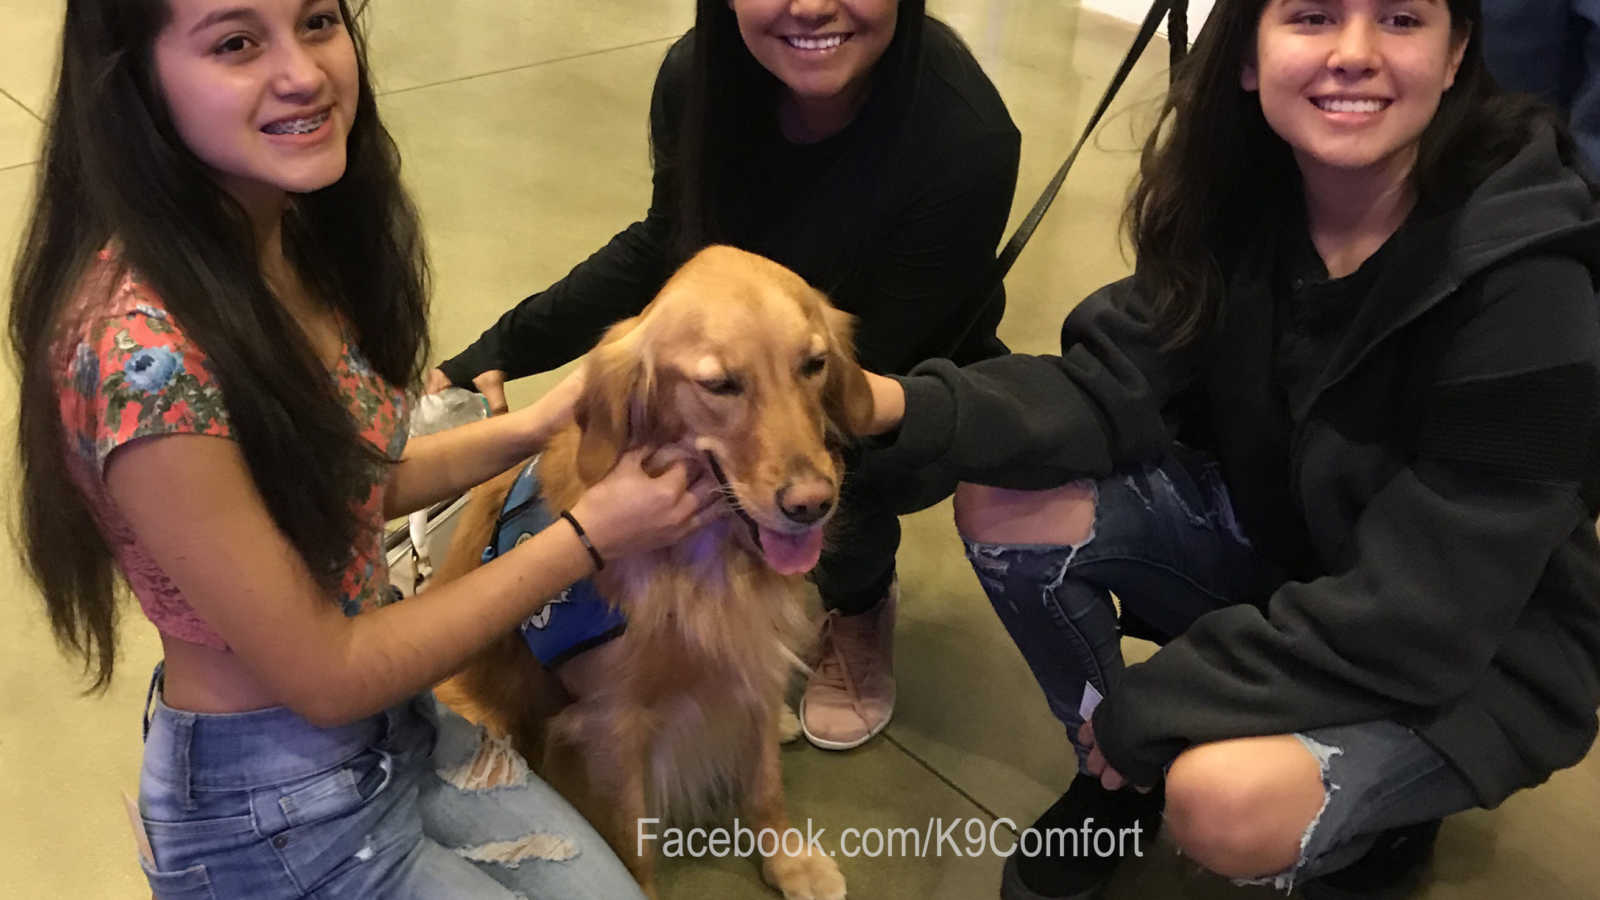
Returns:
point(740, 364)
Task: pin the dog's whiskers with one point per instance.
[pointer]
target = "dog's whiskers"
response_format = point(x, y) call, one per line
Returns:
point(730, 495)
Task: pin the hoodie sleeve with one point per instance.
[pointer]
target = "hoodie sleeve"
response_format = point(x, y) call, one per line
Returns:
point(1443, 559)
point(1031, 422)
point(565, 320)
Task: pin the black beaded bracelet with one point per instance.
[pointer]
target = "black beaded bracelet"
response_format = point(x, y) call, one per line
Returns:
point(599, 561)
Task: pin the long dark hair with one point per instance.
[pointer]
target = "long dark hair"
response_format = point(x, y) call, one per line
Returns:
point(115, 169)
point(1212, 167)
point(732, 101)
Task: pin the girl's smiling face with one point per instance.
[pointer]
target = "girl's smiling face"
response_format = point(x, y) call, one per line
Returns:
point(1352, 84)
point(263, 92)
point(822, 50)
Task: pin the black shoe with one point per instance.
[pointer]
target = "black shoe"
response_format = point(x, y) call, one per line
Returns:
point(1386, 872)
point(1074, 871)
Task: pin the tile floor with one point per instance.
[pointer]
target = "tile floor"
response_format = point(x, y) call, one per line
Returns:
point(522, 123)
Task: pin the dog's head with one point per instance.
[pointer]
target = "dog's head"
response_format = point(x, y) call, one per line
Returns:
point(742, 363)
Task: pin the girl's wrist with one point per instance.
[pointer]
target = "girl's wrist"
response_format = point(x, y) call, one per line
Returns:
point(583, 538)
point(888, 403)
point(596, 547)
point(538, 425)
point(553, 411)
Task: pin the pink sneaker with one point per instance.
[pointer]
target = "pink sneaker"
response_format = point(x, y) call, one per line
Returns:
point(850, 696)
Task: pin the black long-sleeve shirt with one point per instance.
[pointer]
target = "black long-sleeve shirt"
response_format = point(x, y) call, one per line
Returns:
point(902, 236)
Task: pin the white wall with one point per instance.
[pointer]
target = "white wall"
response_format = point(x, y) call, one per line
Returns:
point(1134, 11)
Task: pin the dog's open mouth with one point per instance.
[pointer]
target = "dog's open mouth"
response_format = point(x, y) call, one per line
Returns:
point(787, 553)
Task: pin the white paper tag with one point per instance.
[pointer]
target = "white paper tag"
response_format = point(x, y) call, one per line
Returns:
point(140, 839)
point(1091, 700)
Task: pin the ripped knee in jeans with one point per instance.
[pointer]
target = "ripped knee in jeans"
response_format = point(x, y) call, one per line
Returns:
point(1323, 754)
point(1063, 516)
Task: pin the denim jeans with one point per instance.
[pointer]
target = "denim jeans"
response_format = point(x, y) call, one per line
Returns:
point(1166, 542)
point(411, 803)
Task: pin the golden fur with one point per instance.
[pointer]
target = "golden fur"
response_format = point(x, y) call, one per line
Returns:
point(678, 718)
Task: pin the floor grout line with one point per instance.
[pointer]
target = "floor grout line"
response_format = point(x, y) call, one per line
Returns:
point(7, 94)
point(532, 65)
point(993, 816)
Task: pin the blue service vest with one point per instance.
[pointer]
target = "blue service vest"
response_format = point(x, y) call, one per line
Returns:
point(578, 618)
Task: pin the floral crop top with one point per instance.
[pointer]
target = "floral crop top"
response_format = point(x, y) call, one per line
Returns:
point(126, 371)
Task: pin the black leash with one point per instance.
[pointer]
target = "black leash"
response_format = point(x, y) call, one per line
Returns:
point(1178, 35)
point(1177, 14)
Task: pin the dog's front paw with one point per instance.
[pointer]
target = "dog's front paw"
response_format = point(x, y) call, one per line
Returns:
point(809, 876)
point(788, 724)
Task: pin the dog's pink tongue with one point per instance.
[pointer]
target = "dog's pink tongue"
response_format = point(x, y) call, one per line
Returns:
point(791, 554)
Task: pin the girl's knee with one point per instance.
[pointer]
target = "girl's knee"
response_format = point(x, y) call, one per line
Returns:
point(1062, 516)
point(1241, 808)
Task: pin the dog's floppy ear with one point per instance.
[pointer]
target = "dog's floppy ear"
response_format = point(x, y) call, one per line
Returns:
point(615, 384)
point(845, 396)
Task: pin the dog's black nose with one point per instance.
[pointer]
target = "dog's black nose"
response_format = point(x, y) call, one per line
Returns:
point(804, 504)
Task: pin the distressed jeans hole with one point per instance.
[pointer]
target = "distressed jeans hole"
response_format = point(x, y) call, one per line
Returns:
point(495, 765)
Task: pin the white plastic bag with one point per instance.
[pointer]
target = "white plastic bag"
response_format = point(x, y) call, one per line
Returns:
point(431, 414)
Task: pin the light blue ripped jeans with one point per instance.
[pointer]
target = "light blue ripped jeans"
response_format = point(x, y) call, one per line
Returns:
point(1167, 543)
point(411, 803)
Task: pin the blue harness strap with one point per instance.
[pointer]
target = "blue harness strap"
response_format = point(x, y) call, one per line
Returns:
point(578, 618)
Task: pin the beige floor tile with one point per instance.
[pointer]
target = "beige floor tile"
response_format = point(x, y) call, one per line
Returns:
point(519, 178)
point(16, 191)
point(427, 43)
point(1537, 844)
point(16, 187)
point(28, 49)
point(20, 134)
point(66, 760)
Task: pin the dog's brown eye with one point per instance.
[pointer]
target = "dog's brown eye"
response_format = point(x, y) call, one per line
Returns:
point(723, 387)
point(813, 366)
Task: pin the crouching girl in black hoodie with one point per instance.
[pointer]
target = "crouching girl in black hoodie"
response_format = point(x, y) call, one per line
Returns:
point(1334, 444)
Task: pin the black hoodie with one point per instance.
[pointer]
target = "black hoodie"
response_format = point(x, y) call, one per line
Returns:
point(1433, 494)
